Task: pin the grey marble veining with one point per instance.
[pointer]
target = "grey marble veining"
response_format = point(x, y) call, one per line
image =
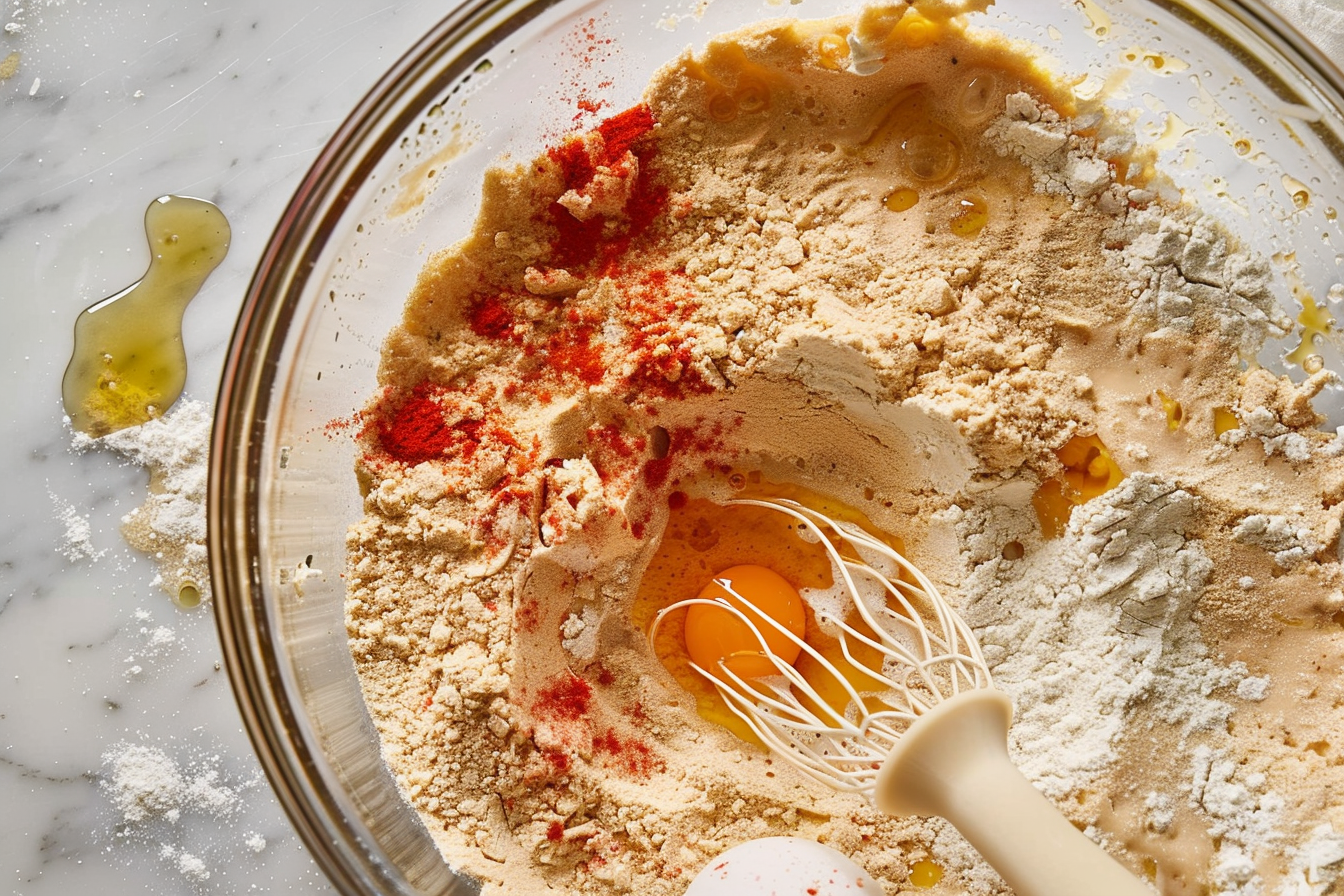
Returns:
point(230, 102)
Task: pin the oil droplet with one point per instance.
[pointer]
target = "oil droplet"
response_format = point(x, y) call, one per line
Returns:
point(128, 364)
point(9, 65)
point(1316, 323)
point(751, 96)
point(925, 874)
point(188, 596)
point(833, 52)
point(1224, 421)
point(1331, 214)
point(1297, 191)
point(970, 218)
point(1172, 408)
point(981, 98)
point(1098, 22)
point(931, 156)
point(902, 199)
point(1173, 130)
point(915, 31)
point(1154, 61)
point(1089, 471)
point(722, 107)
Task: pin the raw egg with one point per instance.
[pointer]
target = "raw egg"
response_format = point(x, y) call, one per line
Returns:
point(715, 635)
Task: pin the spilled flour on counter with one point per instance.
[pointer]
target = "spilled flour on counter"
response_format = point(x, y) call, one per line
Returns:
point(145, 783)
point(77, 542)
point(170, 525)
point(930, 294)
point(157, 796)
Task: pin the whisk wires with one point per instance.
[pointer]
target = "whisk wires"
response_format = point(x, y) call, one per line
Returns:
point(837, 727)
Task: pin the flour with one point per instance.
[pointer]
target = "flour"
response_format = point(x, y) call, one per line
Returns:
point(1098, 629)
point(192, 867)
point(1316, 863)
point(1061, 161)
point(1253, 689)
point(145, 783)
point(1289, 540)
point(1245, 819)
point(153, 793)
point(1189, 274)
point(723, 281)
point(170, 525)
point(155, 643)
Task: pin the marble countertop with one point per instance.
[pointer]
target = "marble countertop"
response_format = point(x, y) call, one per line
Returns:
point(111, 105)
point(108, 106)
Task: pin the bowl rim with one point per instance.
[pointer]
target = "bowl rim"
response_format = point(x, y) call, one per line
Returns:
point(355, 864)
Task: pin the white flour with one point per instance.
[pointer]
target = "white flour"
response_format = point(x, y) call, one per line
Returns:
point(154, 793)
point(77, 543)
point(170, 525)
point(146, 783)
point(1244, 818)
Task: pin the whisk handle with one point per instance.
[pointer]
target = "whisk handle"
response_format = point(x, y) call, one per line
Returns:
point(954, 763)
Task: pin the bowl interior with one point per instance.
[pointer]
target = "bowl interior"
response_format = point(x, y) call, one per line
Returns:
point(402, 178)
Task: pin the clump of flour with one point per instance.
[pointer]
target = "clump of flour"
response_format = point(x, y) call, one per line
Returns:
point(77, 543)
point(147, 784)
point(1092, 628)
point(170, 525)
point(155, 793)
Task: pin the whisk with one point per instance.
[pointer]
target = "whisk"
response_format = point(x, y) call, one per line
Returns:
point(924, 732)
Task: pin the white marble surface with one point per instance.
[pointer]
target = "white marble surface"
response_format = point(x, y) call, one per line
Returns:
point(113, 104)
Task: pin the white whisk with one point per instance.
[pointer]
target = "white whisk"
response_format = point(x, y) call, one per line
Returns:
point(926, 734)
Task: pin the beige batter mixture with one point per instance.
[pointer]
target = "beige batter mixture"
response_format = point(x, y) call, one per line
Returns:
point(922, 291)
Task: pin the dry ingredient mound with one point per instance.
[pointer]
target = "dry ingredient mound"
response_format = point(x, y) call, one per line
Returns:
point(912, 289)
point(170, 525)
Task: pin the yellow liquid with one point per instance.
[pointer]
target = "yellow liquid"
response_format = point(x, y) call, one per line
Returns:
point(1089, 471)
point(971, 217)
point(901, 200)
point(1172, 408)
point(188, 596)
point(925, 874)
point(833, 51)
point(701, 540)
point(1316, 322)
point(128, 364)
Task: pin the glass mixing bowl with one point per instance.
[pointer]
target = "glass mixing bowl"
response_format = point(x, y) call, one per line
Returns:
point(402, 178)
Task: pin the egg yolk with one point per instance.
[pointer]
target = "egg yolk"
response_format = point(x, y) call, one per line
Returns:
point(1089, 471)
point(715, 635)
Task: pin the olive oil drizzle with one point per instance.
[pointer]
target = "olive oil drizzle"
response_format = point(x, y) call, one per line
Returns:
point(128, 365)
